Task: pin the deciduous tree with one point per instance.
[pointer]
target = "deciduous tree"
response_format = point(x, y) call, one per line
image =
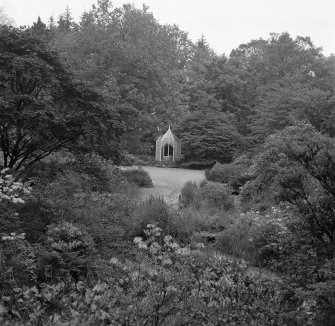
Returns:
point(297, 166)
point(41, 107)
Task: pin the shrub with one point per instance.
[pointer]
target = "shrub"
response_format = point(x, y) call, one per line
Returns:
point(103, 174)
point(66, 237)
point(74, 245)
point(17, 262)
point(188, 194)
point(243, 160)
point(236, 175)
point(297, 166)
point(197, 165)
point(87, 190)
point(251, 199)
point(236, 240)
point(153, 210)
point(156, 211)
point(255, 237)
point(138, 176)
point(168, 284)
point(216, 195)
point(107, 217)
point(12, 195)
point(201, 219)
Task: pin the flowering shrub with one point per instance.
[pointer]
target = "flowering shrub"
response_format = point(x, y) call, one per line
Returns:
point(10, 190)
point(73, 190)
point(255, 237)
point(168, 284)
point(68, 237)
point(12, 194)
point(17, 257)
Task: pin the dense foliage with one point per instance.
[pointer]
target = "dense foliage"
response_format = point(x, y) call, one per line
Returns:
point(138, 176)
point(42, 107)
point(150, 75)
point(251, 245)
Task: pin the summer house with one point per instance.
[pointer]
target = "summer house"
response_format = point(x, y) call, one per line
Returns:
point(168, 147)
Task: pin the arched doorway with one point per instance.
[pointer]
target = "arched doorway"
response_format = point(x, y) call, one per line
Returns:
point(167, 152)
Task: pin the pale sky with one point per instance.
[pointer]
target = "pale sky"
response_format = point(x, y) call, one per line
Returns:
point(225, 23)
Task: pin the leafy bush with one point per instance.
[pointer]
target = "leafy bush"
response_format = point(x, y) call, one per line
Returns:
point(201, 219)
point(197, 165)
point(168, 284)
point(17, 262)
point(12, 195)
point(66, 237)
point(138, 176)
point(79, 193)
point(74, 245)
point(254, 237)
point(102, 174)
point(236, 175)
point(251, 198)
point(222, 172)
point(236, 240)
point(153, 210)
point(107, 217)
point(156, 211)
point(216, 195)
point(188, 194)
point(243, 160)
point(297, 167)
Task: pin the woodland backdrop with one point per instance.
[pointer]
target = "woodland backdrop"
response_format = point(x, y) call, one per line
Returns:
point(254, 244)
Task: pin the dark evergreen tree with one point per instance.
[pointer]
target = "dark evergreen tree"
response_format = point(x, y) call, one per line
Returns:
point(209, 135)
point(65, 21)
point(40, 29)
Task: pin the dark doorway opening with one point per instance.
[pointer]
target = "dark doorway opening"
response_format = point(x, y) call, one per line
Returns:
point(168, 150)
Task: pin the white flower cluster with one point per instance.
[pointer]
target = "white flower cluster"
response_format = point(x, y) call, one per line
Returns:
point(11, 190)
point(13, 237)
point(162, 248)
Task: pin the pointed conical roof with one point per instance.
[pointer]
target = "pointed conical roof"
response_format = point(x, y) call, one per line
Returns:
point(168, 136)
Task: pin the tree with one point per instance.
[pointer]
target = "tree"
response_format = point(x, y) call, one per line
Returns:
point(283, 79)
point(297, 166)
point(40, 29)
point(209, 136)
point(4, 19)
point(65, 21)
point(136, 62)
point(197, 88)
point(287, 101)
point(41, 107)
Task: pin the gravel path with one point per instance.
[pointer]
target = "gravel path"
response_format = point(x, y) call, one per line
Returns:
point(169, 181)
